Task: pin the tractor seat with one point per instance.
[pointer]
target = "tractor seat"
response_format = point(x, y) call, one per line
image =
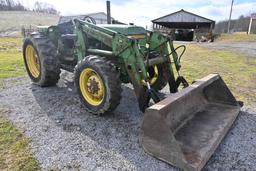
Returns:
point(66, 27)
point(69, 40)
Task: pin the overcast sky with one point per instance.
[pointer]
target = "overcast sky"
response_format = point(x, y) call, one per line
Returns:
point(141, 12)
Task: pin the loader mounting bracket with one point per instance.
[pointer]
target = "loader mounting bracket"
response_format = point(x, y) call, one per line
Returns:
point(181, 80)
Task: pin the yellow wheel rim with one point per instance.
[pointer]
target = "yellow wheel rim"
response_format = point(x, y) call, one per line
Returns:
point(155, 75)
point(32, 61)
point(91, 86)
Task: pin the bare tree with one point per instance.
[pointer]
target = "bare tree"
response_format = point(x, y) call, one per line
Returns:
point(239, 25)
point(11, 5)
point(44, 7)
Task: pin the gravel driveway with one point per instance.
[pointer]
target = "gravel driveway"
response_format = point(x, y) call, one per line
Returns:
point(247, 48)
point(63, 136)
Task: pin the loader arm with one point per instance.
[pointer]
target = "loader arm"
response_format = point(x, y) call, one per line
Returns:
point(121, 46)
point(130, 54)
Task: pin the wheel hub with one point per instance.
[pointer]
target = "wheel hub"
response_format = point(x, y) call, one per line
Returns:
point(32, 61)
point(93, 85)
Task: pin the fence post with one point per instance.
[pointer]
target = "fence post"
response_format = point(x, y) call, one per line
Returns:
point(250, 26)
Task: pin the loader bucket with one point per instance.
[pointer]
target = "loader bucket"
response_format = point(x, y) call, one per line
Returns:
point(185, 128)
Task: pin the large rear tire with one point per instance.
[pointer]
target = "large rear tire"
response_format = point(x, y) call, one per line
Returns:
point(41, 62)
point(98, 84)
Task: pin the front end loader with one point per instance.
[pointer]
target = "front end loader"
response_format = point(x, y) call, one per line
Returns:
point(183, 129)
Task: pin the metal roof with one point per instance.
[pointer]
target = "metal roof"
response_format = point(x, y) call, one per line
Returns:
point(184, 19)
point(182, 16)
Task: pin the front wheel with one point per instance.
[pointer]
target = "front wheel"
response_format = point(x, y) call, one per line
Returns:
point(98, 84)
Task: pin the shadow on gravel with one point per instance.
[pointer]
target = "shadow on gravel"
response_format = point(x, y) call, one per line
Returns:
point(119, 130)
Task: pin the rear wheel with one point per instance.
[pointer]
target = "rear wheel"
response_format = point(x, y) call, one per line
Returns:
point(40, 58)
point(32, 60)
point(98, 84)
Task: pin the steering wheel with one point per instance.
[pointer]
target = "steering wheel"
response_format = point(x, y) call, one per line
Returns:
point(89, 19)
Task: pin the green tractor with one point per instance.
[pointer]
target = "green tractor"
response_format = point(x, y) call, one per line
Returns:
point(183, 129)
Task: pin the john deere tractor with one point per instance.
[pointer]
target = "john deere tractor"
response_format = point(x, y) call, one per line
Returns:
point(183, 129)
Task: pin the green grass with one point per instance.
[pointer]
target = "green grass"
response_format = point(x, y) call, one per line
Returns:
point(14, 151)
point(237, 37)
point(239, 72)
point(11, 62)
point(13, 20)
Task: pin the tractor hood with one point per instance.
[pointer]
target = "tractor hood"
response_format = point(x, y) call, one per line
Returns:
point(125, 29)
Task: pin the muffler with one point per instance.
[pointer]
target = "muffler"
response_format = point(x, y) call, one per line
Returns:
point(185, 128)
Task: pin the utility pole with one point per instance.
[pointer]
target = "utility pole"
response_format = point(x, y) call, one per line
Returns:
point(230, 14)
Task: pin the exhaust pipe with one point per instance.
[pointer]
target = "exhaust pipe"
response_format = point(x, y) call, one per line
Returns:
point(108, 12)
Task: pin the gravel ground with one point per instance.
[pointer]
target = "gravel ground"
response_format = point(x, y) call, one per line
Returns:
point(63, 136)
point(247, 48)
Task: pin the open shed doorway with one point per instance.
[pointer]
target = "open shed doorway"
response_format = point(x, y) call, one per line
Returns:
point(183, 34)
point(184, 26)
